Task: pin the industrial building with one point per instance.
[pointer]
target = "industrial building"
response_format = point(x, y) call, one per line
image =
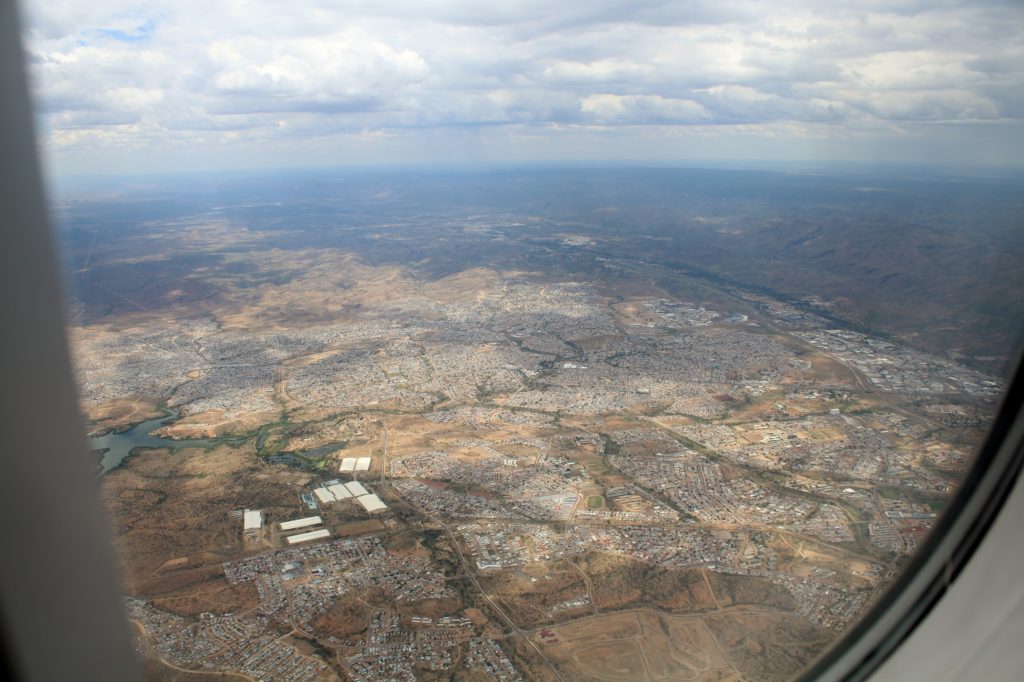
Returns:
point(339, 491)
point(324, 495)
point(356, 488)
point(350, 464)
point(253, 519)
point(306, 537)
point(371, 503)
point(301, 523)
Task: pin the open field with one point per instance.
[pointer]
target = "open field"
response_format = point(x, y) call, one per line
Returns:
point(638, 645)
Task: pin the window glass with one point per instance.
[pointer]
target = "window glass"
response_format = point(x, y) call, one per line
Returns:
point(597, 340)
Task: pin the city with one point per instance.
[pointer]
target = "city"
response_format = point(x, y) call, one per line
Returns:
point(486, 460)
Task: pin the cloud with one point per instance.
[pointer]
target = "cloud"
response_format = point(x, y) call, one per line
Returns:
point(225, 74)
point(641, 109)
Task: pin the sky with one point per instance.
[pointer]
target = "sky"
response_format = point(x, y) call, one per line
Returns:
point(132, 87)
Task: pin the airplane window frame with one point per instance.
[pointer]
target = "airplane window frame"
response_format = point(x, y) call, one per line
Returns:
point(940, 560)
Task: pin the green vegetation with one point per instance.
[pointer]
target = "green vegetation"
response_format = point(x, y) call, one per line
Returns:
point(889, 493)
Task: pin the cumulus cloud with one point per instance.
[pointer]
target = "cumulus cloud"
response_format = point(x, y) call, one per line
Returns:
point(224, 74)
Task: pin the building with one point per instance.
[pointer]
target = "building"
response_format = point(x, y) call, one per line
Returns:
point(324, 495)
point(371, 503)
point(311, 535)
point(252, 522)
point(363, 463)
point(339, 491)
point(301, 523)
point(347, 465)
point(356, 488)
point(253, 519)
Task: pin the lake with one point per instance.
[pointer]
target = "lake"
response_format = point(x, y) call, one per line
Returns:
point(120, 445)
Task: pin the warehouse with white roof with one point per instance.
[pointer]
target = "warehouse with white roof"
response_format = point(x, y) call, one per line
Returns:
point(324, 495)
point(371, 503)
point(363, 464)
point(339, 491)
point(347, 465)
point(356, 488)
point(253, 519)
point(306, 537)
point(301, 523)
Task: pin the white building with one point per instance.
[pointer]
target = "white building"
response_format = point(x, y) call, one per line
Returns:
point(356, 488)
point(339, 491)
point(363, 464)
point(347, 465)
point(371, 503)
point(311, 535)
point(301, 523)
point(253, 519)
point(324, 495)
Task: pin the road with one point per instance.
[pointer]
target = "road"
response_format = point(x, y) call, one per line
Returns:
point(469, 573)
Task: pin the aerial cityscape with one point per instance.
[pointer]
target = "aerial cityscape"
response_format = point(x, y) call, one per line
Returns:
point(530, 424)
point(589, 341)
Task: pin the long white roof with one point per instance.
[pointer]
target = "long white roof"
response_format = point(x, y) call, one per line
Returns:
point(253, 519)
point(301, 523)
point(311, 535)
point(356, 488)
point(363, 464)
point(339, 491)
point(371, 503)
point(348, 464)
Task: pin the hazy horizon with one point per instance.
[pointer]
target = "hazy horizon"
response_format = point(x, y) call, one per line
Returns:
point(83, 182)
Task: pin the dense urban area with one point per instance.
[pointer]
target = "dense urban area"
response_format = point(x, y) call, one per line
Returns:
point(493, 446)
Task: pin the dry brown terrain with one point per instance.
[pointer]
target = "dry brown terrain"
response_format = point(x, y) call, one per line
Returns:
point(176, 506)
point(529, 595)
point(638, 645)
point(122, 412)
point(349, 616)
point(212, 594)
